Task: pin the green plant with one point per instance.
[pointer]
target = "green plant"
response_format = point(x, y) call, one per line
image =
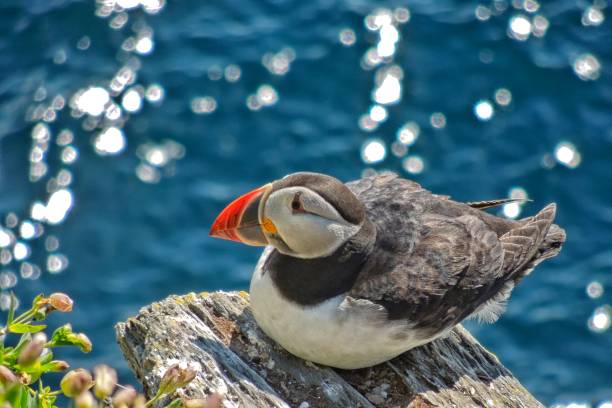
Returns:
point(23, 365)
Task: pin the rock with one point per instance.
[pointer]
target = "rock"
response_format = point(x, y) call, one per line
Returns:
point(218, 333)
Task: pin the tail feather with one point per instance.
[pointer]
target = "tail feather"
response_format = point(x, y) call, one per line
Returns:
point(550, 247)
point(522, 244)
point(525, 247)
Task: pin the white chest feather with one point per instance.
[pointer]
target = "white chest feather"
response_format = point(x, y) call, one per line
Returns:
point(340, 332)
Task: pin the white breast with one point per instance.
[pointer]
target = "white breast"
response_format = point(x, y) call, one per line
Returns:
point(341, 332)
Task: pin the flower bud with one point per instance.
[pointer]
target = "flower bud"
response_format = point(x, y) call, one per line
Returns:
point(106, 380)
point(61, 302)
point(57, 365)
point(83, 342)
point(175, 377)
point(124, 397)
point(25, 378)
point(7, 376)
point(75, 382)
point(85, 400)
point(140, 402)
point(32, 351)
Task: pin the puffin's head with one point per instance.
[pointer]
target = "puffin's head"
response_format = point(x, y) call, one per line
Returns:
point(304, 215)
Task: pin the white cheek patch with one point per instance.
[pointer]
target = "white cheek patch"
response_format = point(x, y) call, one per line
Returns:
point(311, 236)
point(307, 235)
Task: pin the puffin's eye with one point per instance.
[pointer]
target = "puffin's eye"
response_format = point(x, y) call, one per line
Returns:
point(296, 204)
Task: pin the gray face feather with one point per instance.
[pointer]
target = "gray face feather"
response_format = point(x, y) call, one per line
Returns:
point(331, 189)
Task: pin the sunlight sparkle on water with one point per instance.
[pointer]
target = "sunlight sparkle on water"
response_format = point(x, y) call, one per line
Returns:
point(38, 210)
point(401, 15)
point(158, 160)
point(503, 97)
point(21, 251)
point(203, 105)
point(84, 43)
point(110, 141)
point(27, 230)
point(379, 18)
point(125, 76)
point(153, 6)
point(389, 90)
point(413, 164)
point(378, 113)
point(6, 257)
point(267, 95)
point(347, 37)
point(573, 404)
point(41, 132)
point(367, 124)
point(132, 100)
point(389, 36)
point(148, 174)
point(437, 120)
point(279, 63)
point(399, 149)
point(371, 59)
point(128, 4)
point(482, 13)
point(600, 320)
point(56, 263)
point(29, 271)
point(587, 67)
point(157, 157)
point(519, 27)
point(65, 137)
point(373, 151)
point(409, 133)
point(511, 210)
point(154, 93)
point(58, 206)
point(232, 73)
point(69, 154)
point(595, 290)
point(144, 45)
point(8, 279)
point(540, 25)
point(483, 110)
point(92, 100)
point(567, 154)
point(593, 16)
point(6, 238)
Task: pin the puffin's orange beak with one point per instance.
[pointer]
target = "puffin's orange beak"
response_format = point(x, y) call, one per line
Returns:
point(239, 221)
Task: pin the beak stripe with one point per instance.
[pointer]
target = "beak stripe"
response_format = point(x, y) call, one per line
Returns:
point(238, 221)
point(269, 226)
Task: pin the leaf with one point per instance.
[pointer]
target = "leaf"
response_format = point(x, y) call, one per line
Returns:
point(18, 396)
point(12, 307)
point(46, 357)
point(21, 328)
point(64, 336)
point(175, 404)
point(36, 301)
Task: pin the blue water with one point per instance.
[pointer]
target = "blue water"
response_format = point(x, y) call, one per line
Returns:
point(135, 204)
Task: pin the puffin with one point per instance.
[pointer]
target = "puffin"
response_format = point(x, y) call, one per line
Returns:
point(352, 275)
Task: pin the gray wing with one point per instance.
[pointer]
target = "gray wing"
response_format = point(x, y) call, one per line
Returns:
point(437, 261)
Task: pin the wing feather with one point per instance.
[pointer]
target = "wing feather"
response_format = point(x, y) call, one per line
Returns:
point(437, 261)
